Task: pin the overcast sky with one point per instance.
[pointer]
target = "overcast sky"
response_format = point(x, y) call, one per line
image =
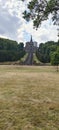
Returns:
point(14, 27)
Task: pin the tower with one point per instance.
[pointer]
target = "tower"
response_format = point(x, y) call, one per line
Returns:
point(31, 41)
point(31, 46)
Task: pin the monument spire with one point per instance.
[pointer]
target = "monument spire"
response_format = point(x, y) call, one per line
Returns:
point(31, 39)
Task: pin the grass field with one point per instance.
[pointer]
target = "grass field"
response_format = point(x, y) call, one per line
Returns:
point(35, 59)
point(29, 98)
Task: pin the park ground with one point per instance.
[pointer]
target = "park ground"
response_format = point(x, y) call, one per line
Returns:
point(29, 98)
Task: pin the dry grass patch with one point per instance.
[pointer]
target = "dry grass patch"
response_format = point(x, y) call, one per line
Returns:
point(29, 98)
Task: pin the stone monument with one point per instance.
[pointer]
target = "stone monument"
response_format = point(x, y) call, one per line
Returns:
point(31, 46)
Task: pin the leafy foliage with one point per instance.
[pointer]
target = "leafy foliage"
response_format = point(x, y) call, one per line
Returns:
point(39, 10)
point(45, 50)
point(10, 50)
point(55, 57)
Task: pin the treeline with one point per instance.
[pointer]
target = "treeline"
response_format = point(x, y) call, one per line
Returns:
point(46, 51)
point(10, 50)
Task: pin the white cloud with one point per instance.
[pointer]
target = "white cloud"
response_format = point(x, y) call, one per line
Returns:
point(44, 33)
point(13, 26)
point(2, 36)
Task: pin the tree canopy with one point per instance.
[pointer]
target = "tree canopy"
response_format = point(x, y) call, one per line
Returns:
point(10, 50)
point(55, 58)
point(45, 51)
point(39, 10)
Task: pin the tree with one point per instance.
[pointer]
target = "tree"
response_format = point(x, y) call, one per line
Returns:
point(39, 10)
point(55, 58)
point(21, 46)
point(10, 50)
point(45, 49)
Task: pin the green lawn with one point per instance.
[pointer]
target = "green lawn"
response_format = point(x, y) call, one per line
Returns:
point(23, 58)
point(35, 59)
point(29, 98)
